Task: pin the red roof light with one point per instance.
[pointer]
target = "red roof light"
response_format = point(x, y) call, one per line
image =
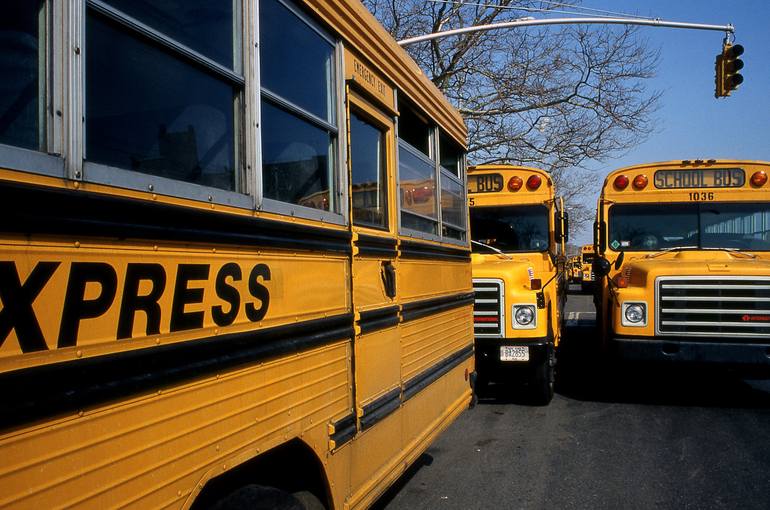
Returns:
point(534, 182)
point(621, 182)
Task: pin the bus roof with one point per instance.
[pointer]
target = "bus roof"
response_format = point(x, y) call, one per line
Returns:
point(649, 171)
point(500, 187)
point(369, 38)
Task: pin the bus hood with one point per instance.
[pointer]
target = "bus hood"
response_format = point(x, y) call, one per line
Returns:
point(516, 271)
point(708, 263)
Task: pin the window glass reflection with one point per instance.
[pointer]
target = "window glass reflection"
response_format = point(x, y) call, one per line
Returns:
point(649, 227)
point(452, 201)
point(510, 228)
point(296, 162)
point(152, 113)
point(295, 61)
point(368, 169)
point(202, 25)
point(21, 98)
point(417, 184)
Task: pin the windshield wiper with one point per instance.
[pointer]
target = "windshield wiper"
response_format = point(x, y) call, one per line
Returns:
point(496, 250)
point(676, 248)
point(670, 249)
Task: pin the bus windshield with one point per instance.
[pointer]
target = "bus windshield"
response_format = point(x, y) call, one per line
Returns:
point(588, 258)
point(522, 228)
point(650, 227)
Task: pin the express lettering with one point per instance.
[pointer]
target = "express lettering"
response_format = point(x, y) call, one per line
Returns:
point(18, 297)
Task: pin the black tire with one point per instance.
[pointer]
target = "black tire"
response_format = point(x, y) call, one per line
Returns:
point(308, 500)
point(258, 497)
point(541, 384)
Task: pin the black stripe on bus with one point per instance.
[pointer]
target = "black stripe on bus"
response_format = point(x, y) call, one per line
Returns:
point(426, 378)
point(45, 391)
point(415, 250)
point(37, 210)
point(380, 408)
point(374, 320)
point(419, 309)
point(344, 430)
point(374, 246)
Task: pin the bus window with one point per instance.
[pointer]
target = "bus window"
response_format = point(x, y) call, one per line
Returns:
point(173, 119)
point(22, 38)
point(511, 228)
point(369, 173)
point(299, 131)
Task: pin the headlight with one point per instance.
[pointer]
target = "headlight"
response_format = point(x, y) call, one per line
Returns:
point(634, 314)
point(524, 316)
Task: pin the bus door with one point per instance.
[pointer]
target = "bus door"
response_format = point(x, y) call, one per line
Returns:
point(377, 346)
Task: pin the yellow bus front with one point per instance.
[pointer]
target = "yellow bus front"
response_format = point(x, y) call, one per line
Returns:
point(686, 250)
point(516, 228)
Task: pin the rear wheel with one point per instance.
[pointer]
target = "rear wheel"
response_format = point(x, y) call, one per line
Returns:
point(258, 497)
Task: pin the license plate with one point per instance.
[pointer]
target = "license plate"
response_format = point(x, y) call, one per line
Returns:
point(514, 353)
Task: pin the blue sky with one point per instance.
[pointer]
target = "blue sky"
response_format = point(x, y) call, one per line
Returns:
point(691, 123)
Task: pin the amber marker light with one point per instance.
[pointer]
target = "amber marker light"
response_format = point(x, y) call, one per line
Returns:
point(640, 182)
point(759, 178)
point(621, 281)
point(515, 183)
point(621, 182)
point(534, 182)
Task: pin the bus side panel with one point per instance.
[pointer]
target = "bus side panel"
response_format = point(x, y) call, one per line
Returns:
point(423, 279)
point(98, 287)
point(157, 449)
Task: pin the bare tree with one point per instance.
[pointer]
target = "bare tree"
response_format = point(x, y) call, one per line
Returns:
point(552, 97)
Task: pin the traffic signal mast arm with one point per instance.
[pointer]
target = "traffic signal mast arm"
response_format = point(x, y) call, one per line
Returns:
point(728, 62)
point(528, 22)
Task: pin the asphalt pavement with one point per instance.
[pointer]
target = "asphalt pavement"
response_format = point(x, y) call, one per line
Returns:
point(612, 438)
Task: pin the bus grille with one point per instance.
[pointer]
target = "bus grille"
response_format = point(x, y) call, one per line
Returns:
point(713, 306)
point(488, 307)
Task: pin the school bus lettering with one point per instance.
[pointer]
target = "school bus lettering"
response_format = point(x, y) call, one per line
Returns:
point(700, 178)
point(132, 302)
point(17, 301)
point(92, 288)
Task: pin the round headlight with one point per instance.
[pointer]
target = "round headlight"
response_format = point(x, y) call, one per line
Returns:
point(635, 313)
point(524, 315)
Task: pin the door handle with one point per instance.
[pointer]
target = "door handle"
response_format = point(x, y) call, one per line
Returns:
point(388, 274)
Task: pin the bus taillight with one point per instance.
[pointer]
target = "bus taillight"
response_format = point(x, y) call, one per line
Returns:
point(759, 178)
point(640, 182)
point(621, 182)
point(514, 183)
point(534, 182)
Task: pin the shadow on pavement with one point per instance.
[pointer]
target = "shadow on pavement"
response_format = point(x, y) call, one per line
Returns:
point(422, 461)
point(583, 374)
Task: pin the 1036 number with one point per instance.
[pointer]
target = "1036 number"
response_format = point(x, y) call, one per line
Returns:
point(701, 196)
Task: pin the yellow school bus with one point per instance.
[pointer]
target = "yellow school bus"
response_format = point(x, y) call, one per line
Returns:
point(685, 248)
point(575, 269)
point(587, 277)
point(234, 261)
point(518, 230)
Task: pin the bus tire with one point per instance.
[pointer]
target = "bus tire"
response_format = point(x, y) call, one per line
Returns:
point(259, 497)
point(541, 385)
point(308, 500)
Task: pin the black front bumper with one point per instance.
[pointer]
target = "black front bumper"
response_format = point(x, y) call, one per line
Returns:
point(490, 367)
point(692, 351)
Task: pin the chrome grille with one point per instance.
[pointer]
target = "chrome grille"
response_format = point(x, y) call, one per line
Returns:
point(718, 306)
point(488, 307)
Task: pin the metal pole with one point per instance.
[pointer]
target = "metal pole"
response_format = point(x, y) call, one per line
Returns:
point(567, 21)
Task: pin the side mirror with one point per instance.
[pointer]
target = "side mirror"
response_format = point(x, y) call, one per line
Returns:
point(557, 230)
point(565, 216)
point(601, 267)
point(619, 260)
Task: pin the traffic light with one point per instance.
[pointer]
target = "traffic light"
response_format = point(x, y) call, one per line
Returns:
point(728, 65)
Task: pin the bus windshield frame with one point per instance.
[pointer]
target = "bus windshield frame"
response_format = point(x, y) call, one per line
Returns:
point(489, 222)
point(689, 225)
